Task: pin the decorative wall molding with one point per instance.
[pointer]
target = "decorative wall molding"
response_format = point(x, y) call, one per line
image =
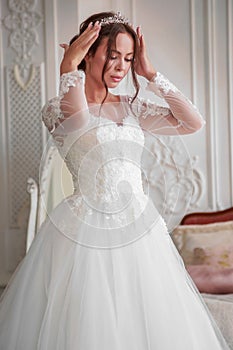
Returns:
point(174, 178)
point(31, 74)
point(193, 47)
point(50, 46)
point(23, 137)
point(21, 22)
point(212, 137)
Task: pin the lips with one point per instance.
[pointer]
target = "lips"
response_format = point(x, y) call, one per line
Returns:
point(116, 78)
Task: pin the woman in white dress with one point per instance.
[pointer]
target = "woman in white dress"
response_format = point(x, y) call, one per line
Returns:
point(103, 272)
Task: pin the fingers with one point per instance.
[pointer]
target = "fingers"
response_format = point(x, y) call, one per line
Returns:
point(64, 46)
point(87, 38)
point(91, 35)
point(88, 34)
point(141, 38)
point(81, 45)
point(139, 32)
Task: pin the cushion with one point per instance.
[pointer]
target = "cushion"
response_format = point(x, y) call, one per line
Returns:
point(209, 279)
point(209, 244)
point(207, 251)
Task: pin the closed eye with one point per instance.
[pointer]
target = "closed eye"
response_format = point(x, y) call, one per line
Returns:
point(115, 54)
point(126, 59)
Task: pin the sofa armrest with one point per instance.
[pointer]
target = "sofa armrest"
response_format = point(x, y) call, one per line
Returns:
point(201, 218)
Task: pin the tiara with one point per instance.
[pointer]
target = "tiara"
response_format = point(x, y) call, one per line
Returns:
point(117, 18)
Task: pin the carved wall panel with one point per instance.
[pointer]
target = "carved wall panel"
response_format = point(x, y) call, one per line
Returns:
point(22, 87)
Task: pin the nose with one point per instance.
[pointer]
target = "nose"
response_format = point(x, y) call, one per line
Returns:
point(120, 64)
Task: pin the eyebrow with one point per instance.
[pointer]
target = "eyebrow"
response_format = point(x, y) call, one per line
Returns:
point(130, 53)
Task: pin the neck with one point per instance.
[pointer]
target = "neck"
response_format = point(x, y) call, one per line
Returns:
point(95, 92)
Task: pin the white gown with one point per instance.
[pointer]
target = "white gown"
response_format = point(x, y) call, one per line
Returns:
point(103, 272)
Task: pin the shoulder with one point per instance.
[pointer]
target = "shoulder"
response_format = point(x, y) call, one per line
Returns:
point(144, 107)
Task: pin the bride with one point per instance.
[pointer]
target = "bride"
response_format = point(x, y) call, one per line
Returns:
point(103, 272)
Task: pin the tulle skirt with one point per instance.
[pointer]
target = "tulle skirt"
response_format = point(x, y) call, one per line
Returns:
point(75, 290)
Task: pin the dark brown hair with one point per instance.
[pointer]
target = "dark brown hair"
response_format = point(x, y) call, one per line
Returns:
point(110, 31)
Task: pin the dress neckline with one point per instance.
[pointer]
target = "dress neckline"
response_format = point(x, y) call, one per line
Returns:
point(124, 99)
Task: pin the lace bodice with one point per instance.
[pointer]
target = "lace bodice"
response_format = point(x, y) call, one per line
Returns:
point(102, 155)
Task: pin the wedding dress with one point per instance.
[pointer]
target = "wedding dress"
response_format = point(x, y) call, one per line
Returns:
point(103, 272)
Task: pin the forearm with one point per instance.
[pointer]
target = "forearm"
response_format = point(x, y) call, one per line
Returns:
point(69, 109)
point(181, 107)
point(67, 66)
point(72, 93)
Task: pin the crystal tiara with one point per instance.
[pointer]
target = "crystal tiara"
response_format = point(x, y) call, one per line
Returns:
point(117, 18)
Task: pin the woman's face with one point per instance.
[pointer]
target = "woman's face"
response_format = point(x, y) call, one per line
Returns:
point(119, 64)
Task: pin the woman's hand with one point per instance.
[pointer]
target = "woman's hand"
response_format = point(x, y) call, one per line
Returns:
point(75, 53)
point(143, 65)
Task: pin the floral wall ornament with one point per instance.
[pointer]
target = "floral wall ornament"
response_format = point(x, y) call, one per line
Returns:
point(21, 5)
point(176, 182)
point(22, 22)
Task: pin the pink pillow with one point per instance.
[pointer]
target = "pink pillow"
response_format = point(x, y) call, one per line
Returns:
point(210, 279)
point(209, 244)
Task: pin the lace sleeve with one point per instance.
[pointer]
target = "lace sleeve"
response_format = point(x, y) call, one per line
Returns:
point(181, 116)
point(70, 102)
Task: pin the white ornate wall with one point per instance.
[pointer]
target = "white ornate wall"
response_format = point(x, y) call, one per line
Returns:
point(189, 41)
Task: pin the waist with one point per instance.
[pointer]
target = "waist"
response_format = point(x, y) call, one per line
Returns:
point(109, 192)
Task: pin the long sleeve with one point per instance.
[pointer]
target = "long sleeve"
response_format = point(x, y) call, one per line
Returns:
point(70, 105)
point(180, 117)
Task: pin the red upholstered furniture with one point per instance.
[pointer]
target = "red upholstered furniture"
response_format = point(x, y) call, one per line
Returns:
point(220, 304)
point(207, 277)
point(200, 218)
